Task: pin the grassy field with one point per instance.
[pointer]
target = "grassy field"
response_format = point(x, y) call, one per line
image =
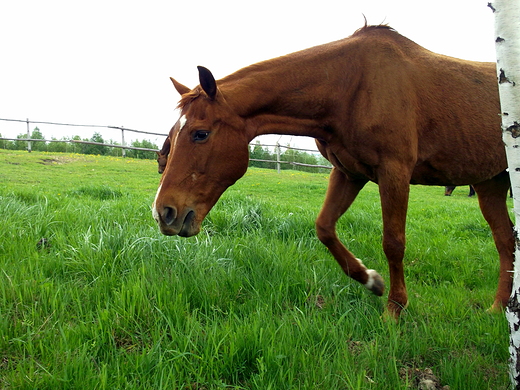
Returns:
point(92, 296)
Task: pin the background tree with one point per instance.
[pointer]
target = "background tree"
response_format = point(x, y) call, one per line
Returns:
point(259, 153)
point(298, 156)
point(4, 144)
point(38, 146)
point(95, 149)
point(57, 147)
point(19, 144)
point(142, 153)
point(507, 45)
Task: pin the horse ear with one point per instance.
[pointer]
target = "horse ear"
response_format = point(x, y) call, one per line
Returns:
point(207, 82)
point(182, 89)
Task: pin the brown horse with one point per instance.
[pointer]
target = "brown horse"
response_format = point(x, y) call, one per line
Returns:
point(448, 190)
point(381, 109)
point(162, 155)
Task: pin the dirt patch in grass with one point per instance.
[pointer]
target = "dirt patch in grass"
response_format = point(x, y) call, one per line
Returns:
point(58, 160)
point(48, 161)
point(422, 379)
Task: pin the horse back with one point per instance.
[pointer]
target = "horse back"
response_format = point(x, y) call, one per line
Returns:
point(439, 113)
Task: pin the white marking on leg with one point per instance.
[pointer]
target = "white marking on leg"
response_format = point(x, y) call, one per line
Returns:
point(371, 278)
point(371, 275)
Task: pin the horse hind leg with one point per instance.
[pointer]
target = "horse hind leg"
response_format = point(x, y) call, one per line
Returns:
point(492, 196)
point(448, 190)
point(340, 195)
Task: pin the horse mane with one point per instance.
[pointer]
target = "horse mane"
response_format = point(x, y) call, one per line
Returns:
point(189, 97)
point(368, 28)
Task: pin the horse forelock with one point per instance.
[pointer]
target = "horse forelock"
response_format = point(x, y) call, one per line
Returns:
point(189, 97)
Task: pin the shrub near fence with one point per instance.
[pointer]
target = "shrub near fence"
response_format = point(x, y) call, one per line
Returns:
point(260, 155)
point(292, 158)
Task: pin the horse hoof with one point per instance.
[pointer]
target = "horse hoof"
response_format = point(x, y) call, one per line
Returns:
point(496, 308)
point(393, 311)
point(375, 283)
point(390, 316)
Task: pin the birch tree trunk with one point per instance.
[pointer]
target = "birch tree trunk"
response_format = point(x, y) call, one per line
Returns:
point(507, 44)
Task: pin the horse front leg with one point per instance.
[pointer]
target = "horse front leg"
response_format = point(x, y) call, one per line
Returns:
point(394, 192)
point(341, 193)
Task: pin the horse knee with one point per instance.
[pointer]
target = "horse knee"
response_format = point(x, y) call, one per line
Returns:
point(393, 248)
point(326, 233)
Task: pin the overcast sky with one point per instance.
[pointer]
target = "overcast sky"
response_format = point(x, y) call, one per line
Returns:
point(108, 62)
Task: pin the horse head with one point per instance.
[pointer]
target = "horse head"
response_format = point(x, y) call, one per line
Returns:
point(162, 155)
point(208, 152)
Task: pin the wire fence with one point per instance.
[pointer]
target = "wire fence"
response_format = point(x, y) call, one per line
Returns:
point(278, 162)
point(121, 146)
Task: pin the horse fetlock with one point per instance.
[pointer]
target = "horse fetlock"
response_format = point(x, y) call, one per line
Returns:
point(375, 282)
point(396, 305)
point(497, 307)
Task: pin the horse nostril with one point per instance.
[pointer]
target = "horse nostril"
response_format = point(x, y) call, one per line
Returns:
point(168, 215)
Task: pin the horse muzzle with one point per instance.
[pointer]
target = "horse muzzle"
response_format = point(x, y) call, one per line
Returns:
point(172, 223)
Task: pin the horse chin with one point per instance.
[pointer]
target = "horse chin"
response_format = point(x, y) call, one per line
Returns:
point(187, 228)
point(189, 233)
point(186, 231)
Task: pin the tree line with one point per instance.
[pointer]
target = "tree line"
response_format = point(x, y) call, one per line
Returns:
point(256, 151)
point(71, 147)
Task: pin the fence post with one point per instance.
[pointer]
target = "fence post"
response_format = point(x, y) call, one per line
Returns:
point(123, 150)
point(28, 136)
point(278, 157)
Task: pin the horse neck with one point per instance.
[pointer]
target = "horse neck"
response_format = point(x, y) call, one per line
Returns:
point(288, 95)
point(257, 89)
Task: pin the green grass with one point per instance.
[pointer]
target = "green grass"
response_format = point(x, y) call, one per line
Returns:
point(254, 301)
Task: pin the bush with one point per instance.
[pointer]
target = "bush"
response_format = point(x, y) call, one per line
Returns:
point(142, 153)
point(95, 149)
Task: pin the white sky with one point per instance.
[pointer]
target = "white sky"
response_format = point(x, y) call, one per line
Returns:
point(108, 62)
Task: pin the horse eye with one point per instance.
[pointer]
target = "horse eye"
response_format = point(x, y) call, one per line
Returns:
point(200, 135)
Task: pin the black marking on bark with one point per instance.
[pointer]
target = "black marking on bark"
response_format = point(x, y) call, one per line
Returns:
point(514, 129)
point(502, 78)
point(513, 306)
point(517, 380)
point(499, 40)
point(517, 244)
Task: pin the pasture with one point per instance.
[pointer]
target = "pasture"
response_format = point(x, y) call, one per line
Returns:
point(92, 296)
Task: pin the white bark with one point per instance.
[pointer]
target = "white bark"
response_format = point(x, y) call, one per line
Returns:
point(507, 43)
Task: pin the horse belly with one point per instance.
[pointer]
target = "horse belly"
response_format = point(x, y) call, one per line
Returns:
point(457, 171)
